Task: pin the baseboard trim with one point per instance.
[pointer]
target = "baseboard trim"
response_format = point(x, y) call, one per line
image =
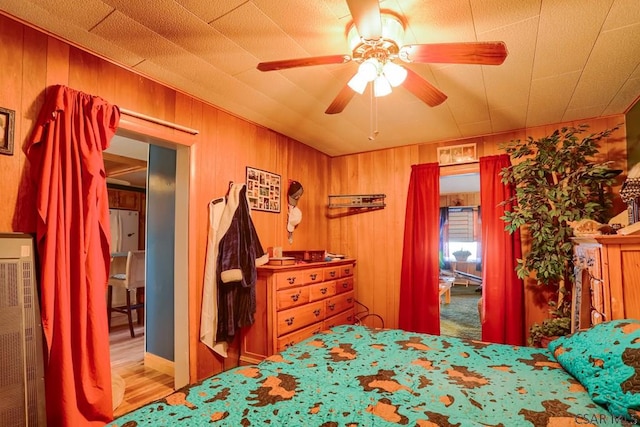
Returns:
point(158, 363)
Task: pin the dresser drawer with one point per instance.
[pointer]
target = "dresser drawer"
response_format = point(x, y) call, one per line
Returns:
point(295, 318)
point(344, 285)
point(331, 273)
point(292, 297)
point(339, 303)
point(346, 270)
point(347, 317)
point(322, 290)
point(312, 276)
point(289, 279)
point(288, 340)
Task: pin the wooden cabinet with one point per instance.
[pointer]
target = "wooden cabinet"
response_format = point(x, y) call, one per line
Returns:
point(621, 274)
point(607, 279)
point(296, 302)
point(125, 199)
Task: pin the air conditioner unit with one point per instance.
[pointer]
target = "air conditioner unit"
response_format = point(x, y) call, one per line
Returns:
point(22, 398)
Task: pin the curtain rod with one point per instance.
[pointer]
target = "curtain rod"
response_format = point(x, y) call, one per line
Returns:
point(159, 121)
point(469, 162)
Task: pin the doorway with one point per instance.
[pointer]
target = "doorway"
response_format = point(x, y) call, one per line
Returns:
point(460, 255)
point(155, 363)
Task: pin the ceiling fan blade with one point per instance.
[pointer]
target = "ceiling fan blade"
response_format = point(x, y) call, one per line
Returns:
point(303, 62)
point(366, 17)
point(423, 90)
point(483, 53)
point(344, 96)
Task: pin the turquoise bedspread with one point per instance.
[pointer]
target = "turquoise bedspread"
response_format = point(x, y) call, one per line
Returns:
point(356, 376)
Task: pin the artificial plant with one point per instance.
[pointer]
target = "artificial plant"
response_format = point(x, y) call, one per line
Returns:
point(558, 179)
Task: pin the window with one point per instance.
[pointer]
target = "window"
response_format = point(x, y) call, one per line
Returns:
point(462, 231)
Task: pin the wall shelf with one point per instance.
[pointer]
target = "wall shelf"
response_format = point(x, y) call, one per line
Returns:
point(370, 201)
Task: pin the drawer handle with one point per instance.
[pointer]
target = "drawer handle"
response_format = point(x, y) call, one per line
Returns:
point(323, 291)
point(332, 306)
point(289, 320)
point(349, 300)
point(291, 280)
point(316, 312)
point(317, 331)
point(345, 285)
point(347, 271)
point(313, 276)
point(295, 297)
point(332, 273)
point(289, 344)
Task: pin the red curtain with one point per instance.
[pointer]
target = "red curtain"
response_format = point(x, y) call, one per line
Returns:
point(65, 155)
point(502, 291)
point(419, 302)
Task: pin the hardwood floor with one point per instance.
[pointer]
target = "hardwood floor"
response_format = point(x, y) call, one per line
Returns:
point(143, 385)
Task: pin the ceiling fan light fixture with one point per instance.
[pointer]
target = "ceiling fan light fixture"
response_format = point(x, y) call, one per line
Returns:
point(381, 86)
point(392, 28)
point(369, 69)
point(358, 83)
point(394, 73)
point(391, 36)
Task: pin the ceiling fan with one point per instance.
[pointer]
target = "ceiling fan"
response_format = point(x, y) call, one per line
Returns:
point(373, 39)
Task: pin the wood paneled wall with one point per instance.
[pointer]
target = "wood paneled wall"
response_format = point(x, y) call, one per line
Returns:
point(32, 61)
point(375, 238)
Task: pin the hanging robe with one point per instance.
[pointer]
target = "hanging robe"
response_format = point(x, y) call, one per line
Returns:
point(209, 315)
point(240, 252)
point(66, 164)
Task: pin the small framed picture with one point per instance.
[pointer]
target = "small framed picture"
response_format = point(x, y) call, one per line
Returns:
point(454, 154)
point(7, 125)
point(263, 190)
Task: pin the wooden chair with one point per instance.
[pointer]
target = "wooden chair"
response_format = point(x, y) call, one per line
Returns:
point(128, 275)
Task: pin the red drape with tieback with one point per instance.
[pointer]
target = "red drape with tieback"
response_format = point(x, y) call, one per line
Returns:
point(419, 302)
point(502, 291)
point(65, 155)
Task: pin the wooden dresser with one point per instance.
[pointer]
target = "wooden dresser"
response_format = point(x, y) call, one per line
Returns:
point(607, 279)
point(294, 302)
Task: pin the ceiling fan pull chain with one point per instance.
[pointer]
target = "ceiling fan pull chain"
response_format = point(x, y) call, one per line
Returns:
point(373, 117)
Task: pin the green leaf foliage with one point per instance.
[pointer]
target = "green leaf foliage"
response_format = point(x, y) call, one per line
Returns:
point(557, 180)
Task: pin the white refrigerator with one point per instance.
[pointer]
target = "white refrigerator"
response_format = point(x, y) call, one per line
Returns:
point(124, 238)
point(124, 230)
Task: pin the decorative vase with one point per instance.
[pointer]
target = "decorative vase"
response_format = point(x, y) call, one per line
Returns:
point(460, 258)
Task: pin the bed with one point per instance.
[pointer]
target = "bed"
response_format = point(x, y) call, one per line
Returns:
point(359, 376)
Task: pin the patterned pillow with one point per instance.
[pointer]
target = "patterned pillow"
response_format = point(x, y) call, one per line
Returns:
point(606, 361)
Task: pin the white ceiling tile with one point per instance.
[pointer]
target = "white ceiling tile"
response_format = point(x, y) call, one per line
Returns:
point(617, 50)
point(489, 15)
point(84, 14)
point(439, 22)
point(625, 98)
point(210, 10)
point(622, 14)
point(324, 35)
point(503, 119)
point(473, 129)
point(189, 32)
point(549, 98)
point(583, 112)
point(563, 48)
